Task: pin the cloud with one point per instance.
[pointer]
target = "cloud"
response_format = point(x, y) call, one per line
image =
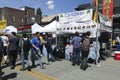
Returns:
point(50, 4)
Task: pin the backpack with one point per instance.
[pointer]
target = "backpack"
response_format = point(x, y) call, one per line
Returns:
point(48, 44)
point(84, 64)
point(26, 45)
point(85, 46)
point(13, 43)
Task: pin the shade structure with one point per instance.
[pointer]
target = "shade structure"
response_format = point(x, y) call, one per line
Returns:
point(35, 28)
point(10, 29)
point(52, 27)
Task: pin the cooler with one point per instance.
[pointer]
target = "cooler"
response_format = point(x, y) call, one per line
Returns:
point(117, 55)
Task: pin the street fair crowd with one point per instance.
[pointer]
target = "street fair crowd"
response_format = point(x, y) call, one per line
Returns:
point(79, 49)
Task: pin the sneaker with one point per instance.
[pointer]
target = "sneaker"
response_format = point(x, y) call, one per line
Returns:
point(33, 66)
point(42, 67)
point(78, 63)
point(12, 67)
point(73, 64)
point(29, 69)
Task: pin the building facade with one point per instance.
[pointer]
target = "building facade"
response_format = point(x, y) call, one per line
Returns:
point(18, 17)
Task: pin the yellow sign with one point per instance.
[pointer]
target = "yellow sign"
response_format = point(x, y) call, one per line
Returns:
point(3, 24)
point(95, 17)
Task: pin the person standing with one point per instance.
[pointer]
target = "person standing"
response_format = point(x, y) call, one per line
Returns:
point(36, 50)
point(118, 42)
point(5, 43)
point(48, 45)
point(68, 51)
point(1, 56)
point(12, 49)
point(76, 42)
point(25, 48)
point(85, 52)
point(41, 43)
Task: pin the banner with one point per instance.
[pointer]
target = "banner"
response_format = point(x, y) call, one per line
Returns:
point(3, 24)
point(107, 9)
point(95, 17)
point(104, 20)
point(76, 16)
point(96, 2)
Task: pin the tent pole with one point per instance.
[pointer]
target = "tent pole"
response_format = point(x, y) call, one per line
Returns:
point(56, 30)
point(96, 47)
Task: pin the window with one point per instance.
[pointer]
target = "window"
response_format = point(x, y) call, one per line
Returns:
point(22, 20)
point(26, 20)
point(26, 12)
point(3, 17)
point(13, 18)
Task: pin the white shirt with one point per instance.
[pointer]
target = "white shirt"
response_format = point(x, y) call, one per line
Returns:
point(5, 40)
point(118, 39)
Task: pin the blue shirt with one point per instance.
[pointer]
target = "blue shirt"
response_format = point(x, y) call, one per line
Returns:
point(76, 41)
point(36, 42)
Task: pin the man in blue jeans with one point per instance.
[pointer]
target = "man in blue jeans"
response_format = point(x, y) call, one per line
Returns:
point(1, 56)
point(76, 41)
point(26, 45)
point(36, 50)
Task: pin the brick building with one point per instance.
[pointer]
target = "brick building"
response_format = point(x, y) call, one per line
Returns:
point(19, 17)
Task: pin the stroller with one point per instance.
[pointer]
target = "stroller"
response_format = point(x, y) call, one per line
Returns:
point(58, 53)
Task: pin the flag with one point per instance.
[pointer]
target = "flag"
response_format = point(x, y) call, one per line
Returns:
point(95, 16)
point(96, 2)
point(104, 20)
point(107, 9)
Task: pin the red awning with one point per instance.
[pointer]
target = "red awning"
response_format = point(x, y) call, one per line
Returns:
point(25, 27)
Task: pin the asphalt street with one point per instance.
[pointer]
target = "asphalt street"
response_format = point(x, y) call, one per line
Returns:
point(63, 70)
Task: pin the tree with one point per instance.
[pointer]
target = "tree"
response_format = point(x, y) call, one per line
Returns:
point(39, 12)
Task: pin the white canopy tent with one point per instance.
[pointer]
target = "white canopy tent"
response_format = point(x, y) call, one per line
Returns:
point(52, 27)
point(10, 29)
point(35, 28)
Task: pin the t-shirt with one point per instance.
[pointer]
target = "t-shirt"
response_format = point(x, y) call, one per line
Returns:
point(5, 40)
point(13, 43)
point(118, 39)
point(76, 41)
point(86, 44)
point(36, 42)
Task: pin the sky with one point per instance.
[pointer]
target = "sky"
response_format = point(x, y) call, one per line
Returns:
point(48, 7)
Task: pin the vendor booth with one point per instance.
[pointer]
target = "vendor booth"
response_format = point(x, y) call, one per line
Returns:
point(77, 21)
point(81, 21)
